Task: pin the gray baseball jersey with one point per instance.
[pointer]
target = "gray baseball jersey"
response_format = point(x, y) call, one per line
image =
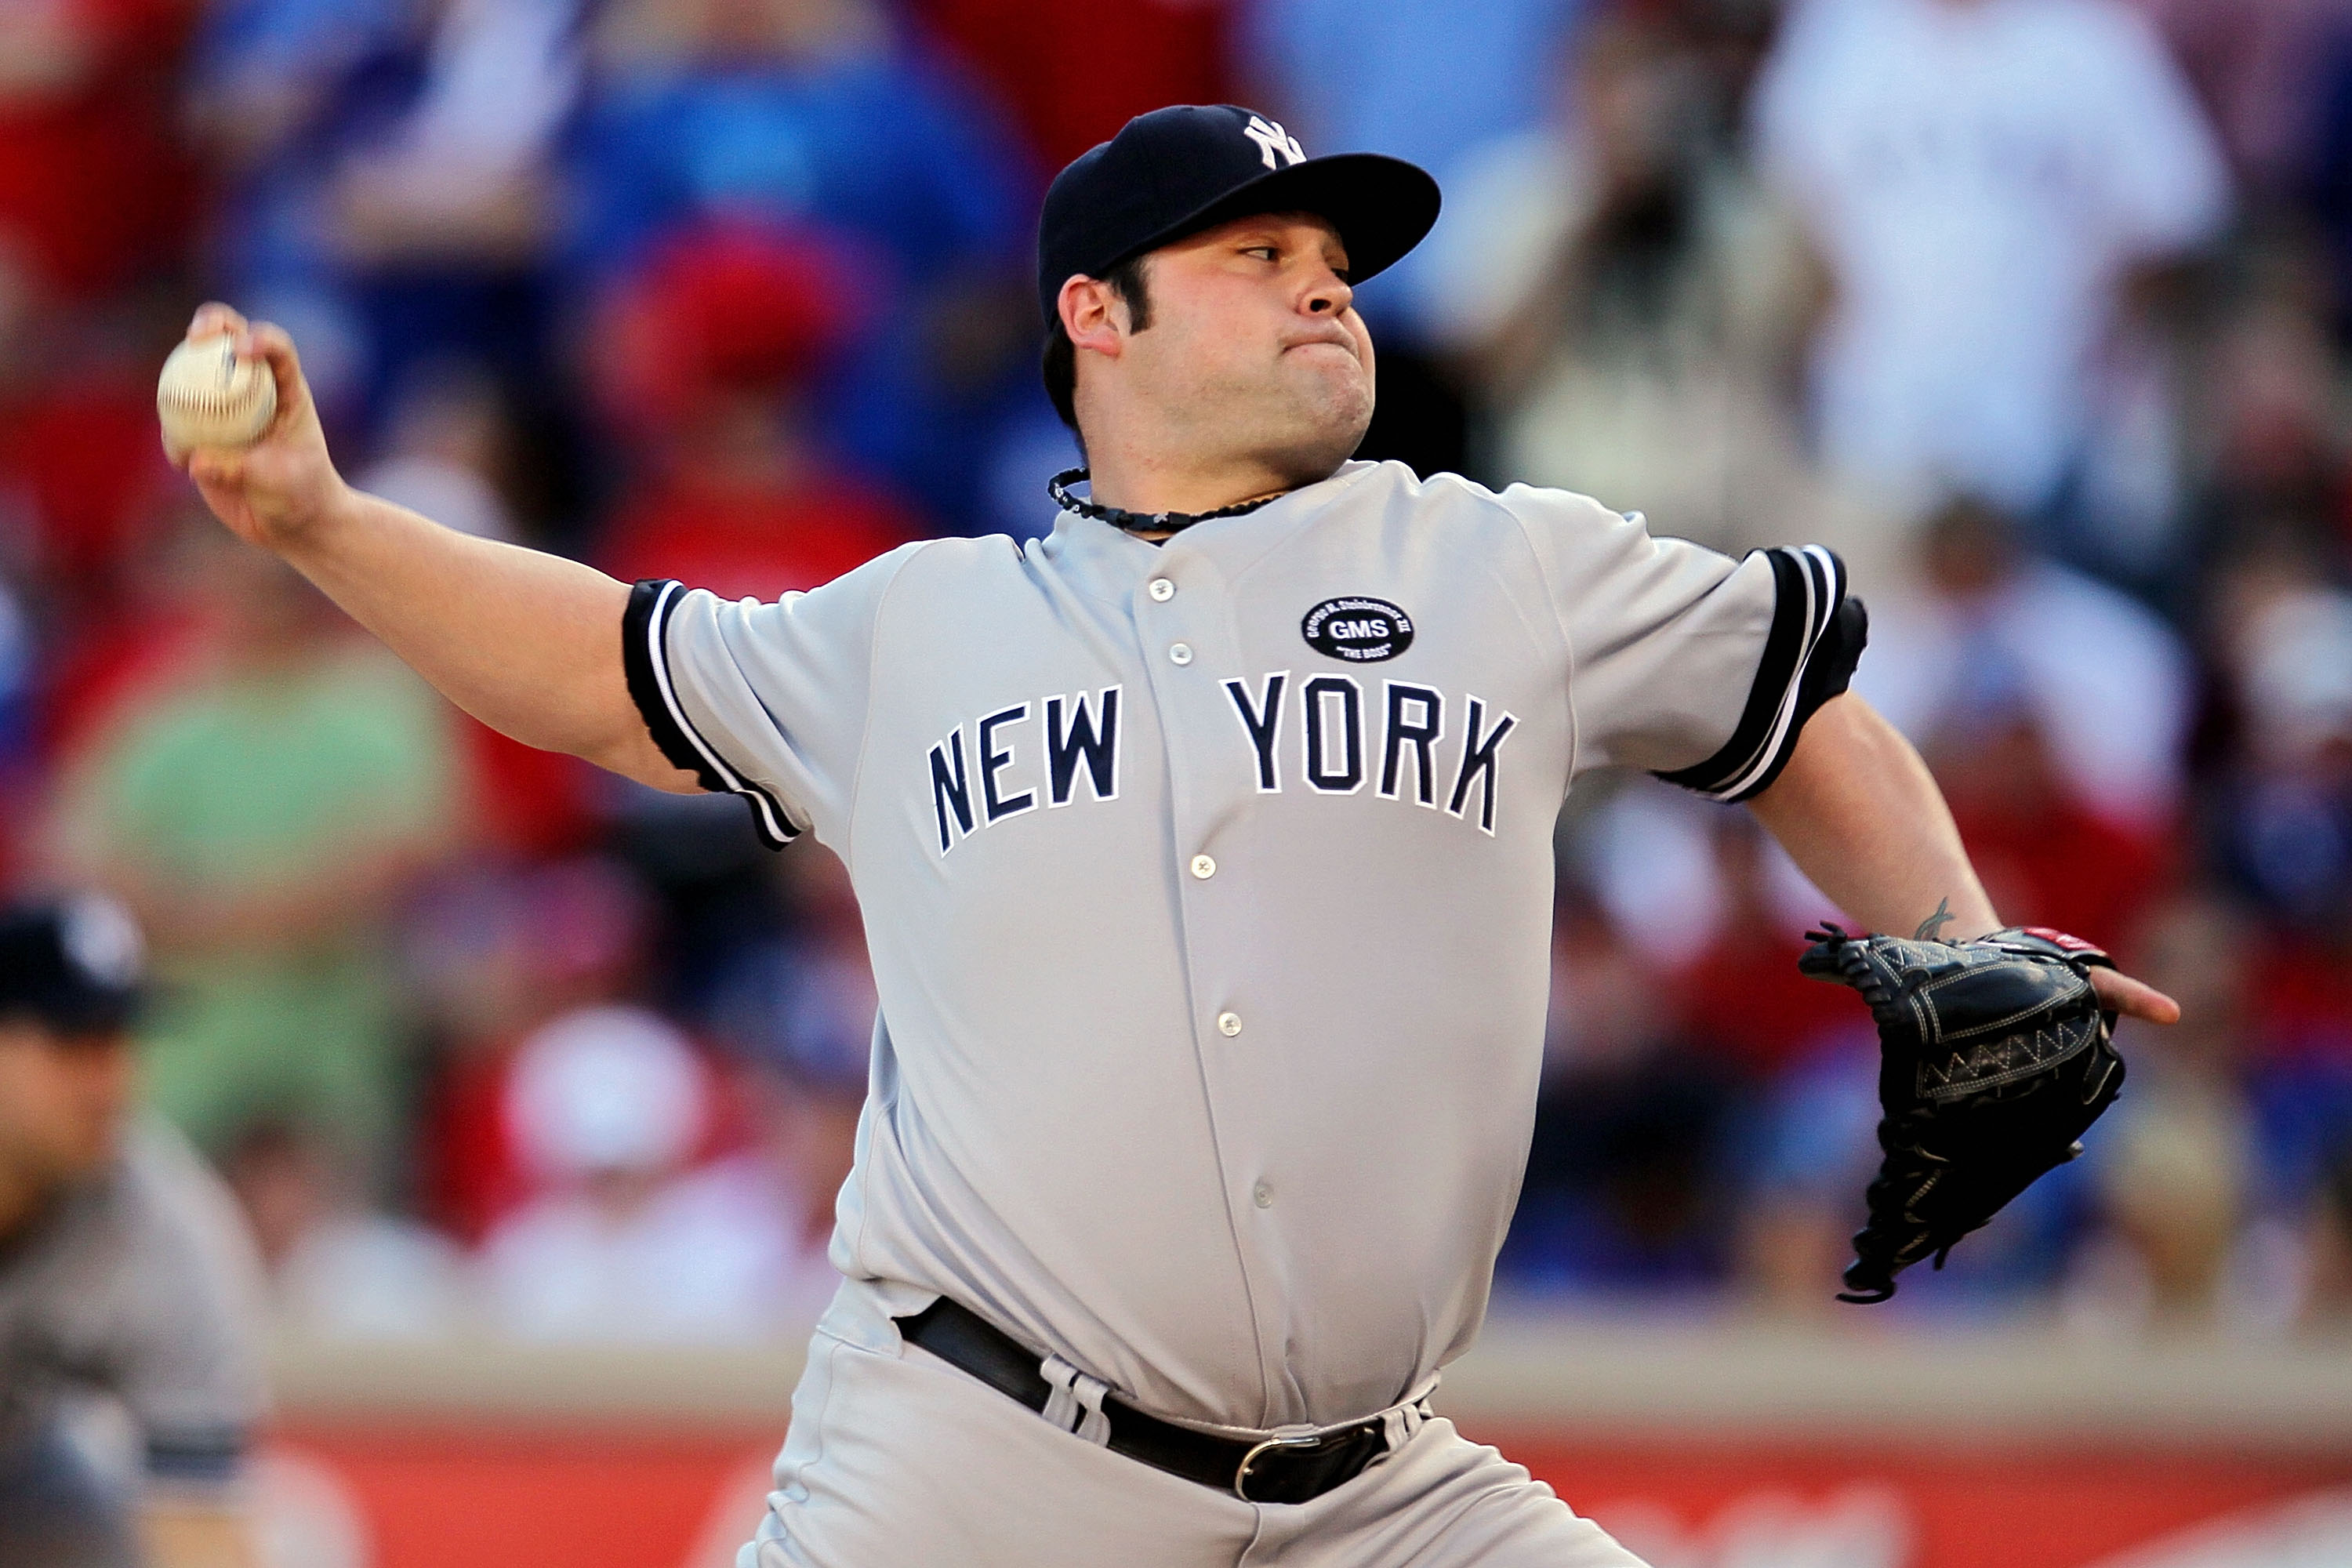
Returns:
point(142, 1285)
point(1209, 888)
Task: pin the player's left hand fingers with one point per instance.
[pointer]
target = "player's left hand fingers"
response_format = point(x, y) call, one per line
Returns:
point(2120, 993)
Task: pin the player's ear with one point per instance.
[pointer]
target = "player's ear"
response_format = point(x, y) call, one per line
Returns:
point(1093, 315)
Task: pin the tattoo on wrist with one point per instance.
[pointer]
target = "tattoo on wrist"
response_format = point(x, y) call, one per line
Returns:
point(1932, 927)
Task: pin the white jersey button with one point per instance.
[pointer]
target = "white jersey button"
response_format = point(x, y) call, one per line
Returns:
point(1181, 653)
point(1161, 589)
point(1264, 1195)
point(1229, 1024)
point(1204, 866)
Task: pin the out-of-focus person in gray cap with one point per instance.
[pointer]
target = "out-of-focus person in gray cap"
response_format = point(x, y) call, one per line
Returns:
point(610, 1106)
point(124, 1273)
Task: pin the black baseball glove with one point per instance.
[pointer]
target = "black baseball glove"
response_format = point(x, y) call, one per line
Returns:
point(1994, 1059)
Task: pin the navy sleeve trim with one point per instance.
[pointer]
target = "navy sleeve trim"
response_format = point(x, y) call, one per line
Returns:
point(1817, 635)
point(644, 661)
point(209, 1456)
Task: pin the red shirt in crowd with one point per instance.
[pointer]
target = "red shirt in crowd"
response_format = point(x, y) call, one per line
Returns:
point(94, 182)
point(753, 543)
point(1076, 70)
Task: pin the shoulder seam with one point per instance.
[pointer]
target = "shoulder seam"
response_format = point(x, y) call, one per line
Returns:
point(1560, 625)
point(865, 721)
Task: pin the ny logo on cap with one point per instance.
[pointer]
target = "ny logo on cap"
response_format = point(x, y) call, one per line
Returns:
point(1271, 138)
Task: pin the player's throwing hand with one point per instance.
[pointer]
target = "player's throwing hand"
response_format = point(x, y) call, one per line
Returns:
point(281, 485)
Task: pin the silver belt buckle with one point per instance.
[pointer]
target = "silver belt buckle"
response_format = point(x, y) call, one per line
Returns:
point(1242, 1476)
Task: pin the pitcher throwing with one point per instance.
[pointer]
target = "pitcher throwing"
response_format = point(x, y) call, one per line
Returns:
point(1205, 853)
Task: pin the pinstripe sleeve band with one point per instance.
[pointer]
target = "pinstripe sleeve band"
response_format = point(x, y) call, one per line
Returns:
point(1817, 635)
point(645, 659)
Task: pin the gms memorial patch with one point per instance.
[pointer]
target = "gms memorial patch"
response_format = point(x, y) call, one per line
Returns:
point(1357, 630)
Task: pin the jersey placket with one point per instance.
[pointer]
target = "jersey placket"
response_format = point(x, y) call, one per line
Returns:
point(1188, 639)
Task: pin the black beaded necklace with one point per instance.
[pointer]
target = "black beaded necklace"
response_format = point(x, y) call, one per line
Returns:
point(1059, 487)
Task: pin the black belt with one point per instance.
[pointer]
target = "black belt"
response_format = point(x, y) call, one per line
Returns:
point(1278, 1469)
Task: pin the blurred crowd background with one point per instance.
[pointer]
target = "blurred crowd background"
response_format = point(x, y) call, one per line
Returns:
point(2039, 310)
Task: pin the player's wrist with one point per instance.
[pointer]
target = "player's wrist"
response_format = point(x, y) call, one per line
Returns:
point(334, 512)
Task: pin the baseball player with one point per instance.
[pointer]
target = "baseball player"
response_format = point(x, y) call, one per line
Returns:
point(1205, 849)
point(123, 1271)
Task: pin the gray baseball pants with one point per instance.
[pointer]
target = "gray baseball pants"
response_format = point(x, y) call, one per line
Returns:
point(897, 1459)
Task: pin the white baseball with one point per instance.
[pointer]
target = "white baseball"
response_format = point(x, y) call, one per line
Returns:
point(208, 397)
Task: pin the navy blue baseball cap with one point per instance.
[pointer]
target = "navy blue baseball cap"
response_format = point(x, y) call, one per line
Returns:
point(76, 965)
point(1175, 172)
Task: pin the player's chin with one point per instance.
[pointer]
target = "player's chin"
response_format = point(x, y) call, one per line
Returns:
point(1304, 450)
point(1331, 411)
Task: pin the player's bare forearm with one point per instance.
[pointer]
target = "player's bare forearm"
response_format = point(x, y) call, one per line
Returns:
point(528, 643)
point(1859, 814)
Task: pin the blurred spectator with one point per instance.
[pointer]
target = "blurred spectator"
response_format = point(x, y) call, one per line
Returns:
point(2327, 1299)
point(1629, 1175)
point(151, 634)
point(1422, 79)
point(388, 170)
point(1634, 298)
point(803, 1005)
point(1668, 867)
point(824, 112)
point(2175, 1162)
point(1992, 184)
point(774, 1200)
point(123, 1273)
point(610, 1106)
point(2274, 445)
point(447, 451)
point(1070, 92)
point(1426, 81)
point(451, 451)
point(1812, 1152)
point(2278, 826)
point(495, 954)
point(1741, 998)
point(797, 1015)
point(2259, 66)
point(79, 463)
point(93, 185)
point(2324, 169)
point(16, 692)
point(337, 1268)
point(2044, 856)
point(711, 352)
point(263, 815)
point(2002, 630)
point(2057, 825)
point(2285, 813)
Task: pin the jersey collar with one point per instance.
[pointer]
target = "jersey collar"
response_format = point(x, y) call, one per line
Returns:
point(1110, 563)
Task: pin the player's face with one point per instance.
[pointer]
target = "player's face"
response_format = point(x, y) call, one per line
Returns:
point(62, 1103)
point(1255, 349)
